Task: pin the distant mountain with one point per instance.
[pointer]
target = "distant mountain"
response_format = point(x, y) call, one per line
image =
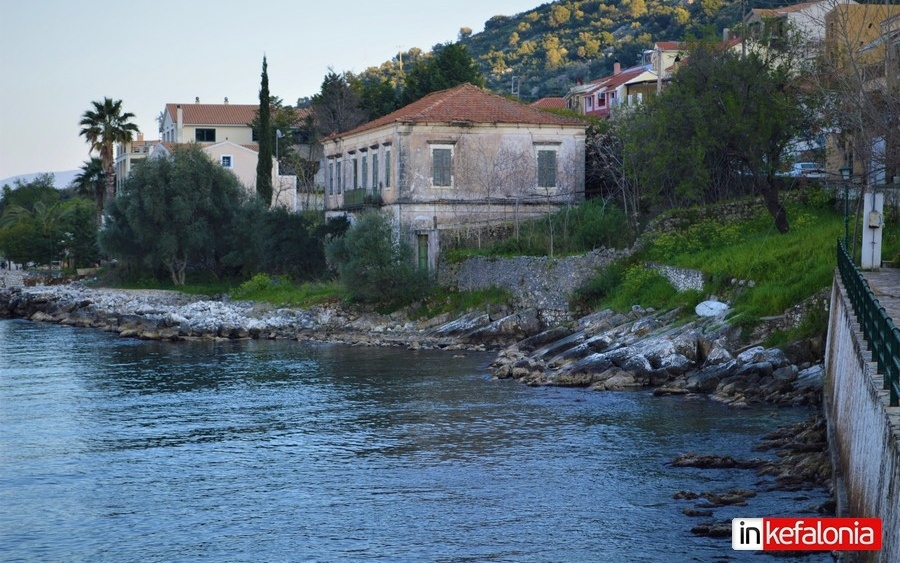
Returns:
point(61, 180)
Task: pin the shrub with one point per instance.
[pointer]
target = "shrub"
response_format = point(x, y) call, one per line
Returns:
point(376, 266)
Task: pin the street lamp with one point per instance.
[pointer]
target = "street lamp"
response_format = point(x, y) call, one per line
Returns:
point(278, 135)
point(846, 173)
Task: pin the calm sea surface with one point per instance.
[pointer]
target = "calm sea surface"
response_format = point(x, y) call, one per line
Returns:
point(123, 450)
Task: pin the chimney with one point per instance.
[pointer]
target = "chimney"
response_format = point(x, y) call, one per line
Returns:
point(197, 100)
point(179, 122)
point(226, 99)
point(140, 138)
point(617, 68)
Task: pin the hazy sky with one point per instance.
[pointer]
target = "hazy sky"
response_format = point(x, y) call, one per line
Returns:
point(56, 56)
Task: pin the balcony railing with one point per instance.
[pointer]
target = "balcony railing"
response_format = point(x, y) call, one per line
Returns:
point(356, 199)
point(882, 337)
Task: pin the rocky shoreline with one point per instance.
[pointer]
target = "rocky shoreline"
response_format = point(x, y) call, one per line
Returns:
point(673, 354)
point(698, 358)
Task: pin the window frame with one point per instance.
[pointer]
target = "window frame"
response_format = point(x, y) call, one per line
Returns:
point(444, 170)
point(542, 168)
point(207, 132)
point(230, 159)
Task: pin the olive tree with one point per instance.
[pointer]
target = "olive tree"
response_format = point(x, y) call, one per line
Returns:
point(724, 112)
point(174, 212)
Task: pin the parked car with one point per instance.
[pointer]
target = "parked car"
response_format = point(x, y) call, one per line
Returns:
point(806, 170)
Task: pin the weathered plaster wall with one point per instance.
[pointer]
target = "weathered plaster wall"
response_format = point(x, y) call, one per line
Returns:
point(863, 430)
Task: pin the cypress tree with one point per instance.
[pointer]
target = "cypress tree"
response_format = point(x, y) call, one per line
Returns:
point(264, 134)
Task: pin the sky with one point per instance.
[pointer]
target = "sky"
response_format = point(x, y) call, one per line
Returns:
point(57, 56)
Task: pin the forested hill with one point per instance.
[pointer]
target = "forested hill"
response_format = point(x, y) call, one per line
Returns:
point(547, 48)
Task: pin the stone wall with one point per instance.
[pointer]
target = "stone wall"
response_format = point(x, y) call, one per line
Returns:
point(864, 432)
point(682, 279)
point(535, 281)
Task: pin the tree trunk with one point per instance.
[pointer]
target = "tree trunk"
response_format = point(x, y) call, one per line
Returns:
point(774, 206)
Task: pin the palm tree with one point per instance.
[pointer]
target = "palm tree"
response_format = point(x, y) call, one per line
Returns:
point(103, 127)
point(91, 182)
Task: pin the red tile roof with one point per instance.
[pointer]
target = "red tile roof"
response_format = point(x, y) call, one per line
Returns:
point(550, 103)
point(670, 45)
point(617, 80)
point(214, 114)
point(465, 104)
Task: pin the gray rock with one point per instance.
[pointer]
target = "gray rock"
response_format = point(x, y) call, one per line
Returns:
point(711, 309)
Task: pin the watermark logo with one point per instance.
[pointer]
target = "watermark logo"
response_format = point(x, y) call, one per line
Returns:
point(813, 534)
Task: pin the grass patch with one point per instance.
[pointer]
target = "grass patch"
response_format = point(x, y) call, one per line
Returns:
point(283, 292)
point(778, 270)
point(785, 268)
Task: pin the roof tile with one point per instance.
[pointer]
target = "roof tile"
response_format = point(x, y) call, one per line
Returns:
point(214, 114)
point(465, 104)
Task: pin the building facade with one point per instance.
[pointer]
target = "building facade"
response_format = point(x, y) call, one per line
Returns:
point(458, 159)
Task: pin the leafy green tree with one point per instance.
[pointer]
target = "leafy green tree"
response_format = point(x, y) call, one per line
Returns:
point(103, 127)
point(559, 15)
point(33, 235)
point(91, 182)
point(27, 194)
point(265, 139)
point(723, 114)
point(377, 96)
point(375, 265)
point(79, 233)
point(174, 212)
point(279, 242)
point(449, 65)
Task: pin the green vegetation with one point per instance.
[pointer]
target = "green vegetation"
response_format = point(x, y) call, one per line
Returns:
point(760, 271)
point(40, 224)
point(174, 212)
point(574, 230)
point(266, 140)
point(284, 292)
point(103, 127)
point(723, 114)
point(442, 301)
point(375, 264)
point(543, 51)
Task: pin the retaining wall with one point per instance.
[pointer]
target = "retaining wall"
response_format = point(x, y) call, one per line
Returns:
point(864, 431)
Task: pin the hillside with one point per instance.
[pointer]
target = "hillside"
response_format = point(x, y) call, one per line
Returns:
point(543, 51)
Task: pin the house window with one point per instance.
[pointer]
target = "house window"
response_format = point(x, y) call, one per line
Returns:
point(365, 171)
point(442, 166)
point(387, 168)
point(546, 168)
point(225, 160)
point(205, 135)
point(375, 171)
point(338, 176)
point(330, 178)
point(355, 178)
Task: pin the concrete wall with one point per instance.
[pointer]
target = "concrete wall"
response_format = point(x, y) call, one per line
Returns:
point(864, 431)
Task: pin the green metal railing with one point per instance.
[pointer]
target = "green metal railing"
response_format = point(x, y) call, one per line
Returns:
point(354, 199)
point(882, 337)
